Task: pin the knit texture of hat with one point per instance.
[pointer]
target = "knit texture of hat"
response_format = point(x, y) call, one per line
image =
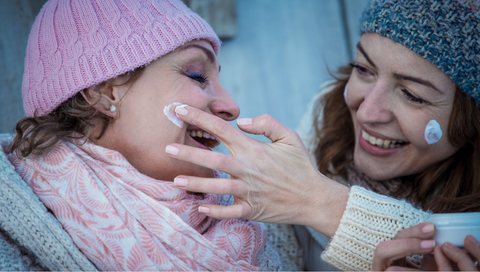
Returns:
point(445, 32)
point(77, 44)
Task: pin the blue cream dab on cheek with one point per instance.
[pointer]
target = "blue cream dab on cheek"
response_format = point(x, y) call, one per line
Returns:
point(433, 132)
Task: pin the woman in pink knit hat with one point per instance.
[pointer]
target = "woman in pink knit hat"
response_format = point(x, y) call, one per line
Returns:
point(101, 82)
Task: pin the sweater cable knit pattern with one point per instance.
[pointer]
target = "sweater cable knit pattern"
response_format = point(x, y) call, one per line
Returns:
point(77, 44)
point(369, 219)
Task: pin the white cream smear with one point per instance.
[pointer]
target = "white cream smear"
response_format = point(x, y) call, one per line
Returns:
point(169, 111)
point(433, 132)
point(345, 92)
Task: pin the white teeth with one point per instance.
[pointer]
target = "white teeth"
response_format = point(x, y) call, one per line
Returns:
point(198, 133)
point(380, 142)
point(365, 135)
point(386, 143)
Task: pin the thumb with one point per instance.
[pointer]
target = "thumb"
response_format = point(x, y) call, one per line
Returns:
point(268, 126)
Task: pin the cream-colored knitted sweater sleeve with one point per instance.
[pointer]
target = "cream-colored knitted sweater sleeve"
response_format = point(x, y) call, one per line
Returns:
point(369, 219)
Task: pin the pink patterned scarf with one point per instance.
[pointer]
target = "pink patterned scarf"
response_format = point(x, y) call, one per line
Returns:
point(123, 220)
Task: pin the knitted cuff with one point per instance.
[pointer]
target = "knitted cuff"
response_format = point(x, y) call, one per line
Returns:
point(369, 219)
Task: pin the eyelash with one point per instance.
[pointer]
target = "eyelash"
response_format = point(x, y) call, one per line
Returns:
point(198, 77)
point(360, 69)
point(413, 98)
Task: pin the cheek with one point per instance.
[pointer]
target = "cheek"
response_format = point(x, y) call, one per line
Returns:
point(353, 94)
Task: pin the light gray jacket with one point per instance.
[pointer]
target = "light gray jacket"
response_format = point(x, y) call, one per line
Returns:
point(30, 237)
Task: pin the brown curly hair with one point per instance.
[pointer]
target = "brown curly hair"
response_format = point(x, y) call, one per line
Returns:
point(75, 118)
point(452, 185)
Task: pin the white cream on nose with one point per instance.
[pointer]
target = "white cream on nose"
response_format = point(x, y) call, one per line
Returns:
point(345, 92)
point(169, 111)
point(433, 132)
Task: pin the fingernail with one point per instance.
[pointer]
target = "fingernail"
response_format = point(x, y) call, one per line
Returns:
point(181, 110)
point(172, 150)
point(244, 121)
point(473, 240)
point(428, 228)
point(450, 246)
point(427, 244)
point(180, 182)
point(204, 210)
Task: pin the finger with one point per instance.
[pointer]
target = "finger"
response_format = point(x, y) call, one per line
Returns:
point(205, 158)
point(421, 231)
point(217, 186)
point(428, 263)
point(239, 210)
point(223, 131)
point(400, 268)
point(388, 251)
point(458, 256)
point(443, 263)
point(268, 126)
point(473, 247)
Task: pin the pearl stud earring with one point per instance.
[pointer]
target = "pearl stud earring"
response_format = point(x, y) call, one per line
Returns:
point(113, 108)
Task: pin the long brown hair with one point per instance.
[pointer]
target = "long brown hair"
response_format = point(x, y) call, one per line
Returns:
point(74, 118)
point(452, 185)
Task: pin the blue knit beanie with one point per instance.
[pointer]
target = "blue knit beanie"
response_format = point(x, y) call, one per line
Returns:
point(445, 32)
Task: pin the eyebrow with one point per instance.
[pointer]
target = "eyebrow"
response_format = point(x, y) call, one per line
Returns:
point(360, 48)
point(398, 76)
point(417, 80)
point(208, 52)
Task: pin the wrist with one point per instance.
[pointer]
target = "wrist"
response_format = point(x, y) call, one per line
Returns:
point(326, 205)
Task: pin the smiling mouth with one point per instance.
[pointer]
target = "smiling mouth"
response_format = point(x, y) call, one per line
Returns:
point(203, 137)
point(383, 143)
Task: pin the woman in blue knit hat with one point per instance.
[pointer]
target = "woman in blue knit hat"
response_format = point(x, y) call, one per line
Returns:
point(400, 127)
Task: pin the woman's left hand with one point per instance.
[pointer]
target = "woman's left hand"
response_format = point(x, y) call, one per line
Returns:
point(391, 255)
point(448, 257)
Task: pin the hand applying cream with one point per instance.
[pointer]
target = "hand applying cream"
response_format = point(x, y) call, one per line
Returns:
point(169, 111)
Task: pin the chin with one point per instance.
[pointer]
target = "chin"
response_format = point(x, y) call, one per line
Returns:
point(375, 172)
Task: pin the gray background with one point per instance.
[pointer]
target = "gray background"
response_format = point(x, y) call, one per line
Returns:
point(281, 52)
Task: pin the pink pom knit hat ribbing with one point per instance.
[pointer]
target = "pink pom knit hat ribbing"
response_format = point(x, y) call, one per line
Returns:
point(76, 44)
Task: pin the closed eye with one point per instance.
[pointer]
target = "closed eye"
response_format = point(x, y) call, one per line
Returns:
point(198, 77)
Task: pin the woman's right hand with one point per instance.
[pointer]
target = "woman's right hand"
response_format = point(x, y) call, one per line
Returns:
point(271, 182)
point(449, 257)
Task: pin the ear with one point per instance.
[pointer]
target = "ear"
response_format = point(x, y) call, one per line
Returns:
point(104, 98)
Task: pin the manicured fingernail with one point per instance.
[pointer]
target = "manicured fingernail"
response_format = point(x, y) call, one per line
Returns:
point(428, 228)
point(204, 210)
point(172, 150)
point(181, 110)
point(244, 121)
point(427, 244)
point(451, 247)
point(473, 240)
point(180, 182)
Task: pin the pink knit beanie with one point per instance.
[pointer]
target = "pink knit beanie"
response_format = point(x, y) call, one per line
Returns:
point(76, 44)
